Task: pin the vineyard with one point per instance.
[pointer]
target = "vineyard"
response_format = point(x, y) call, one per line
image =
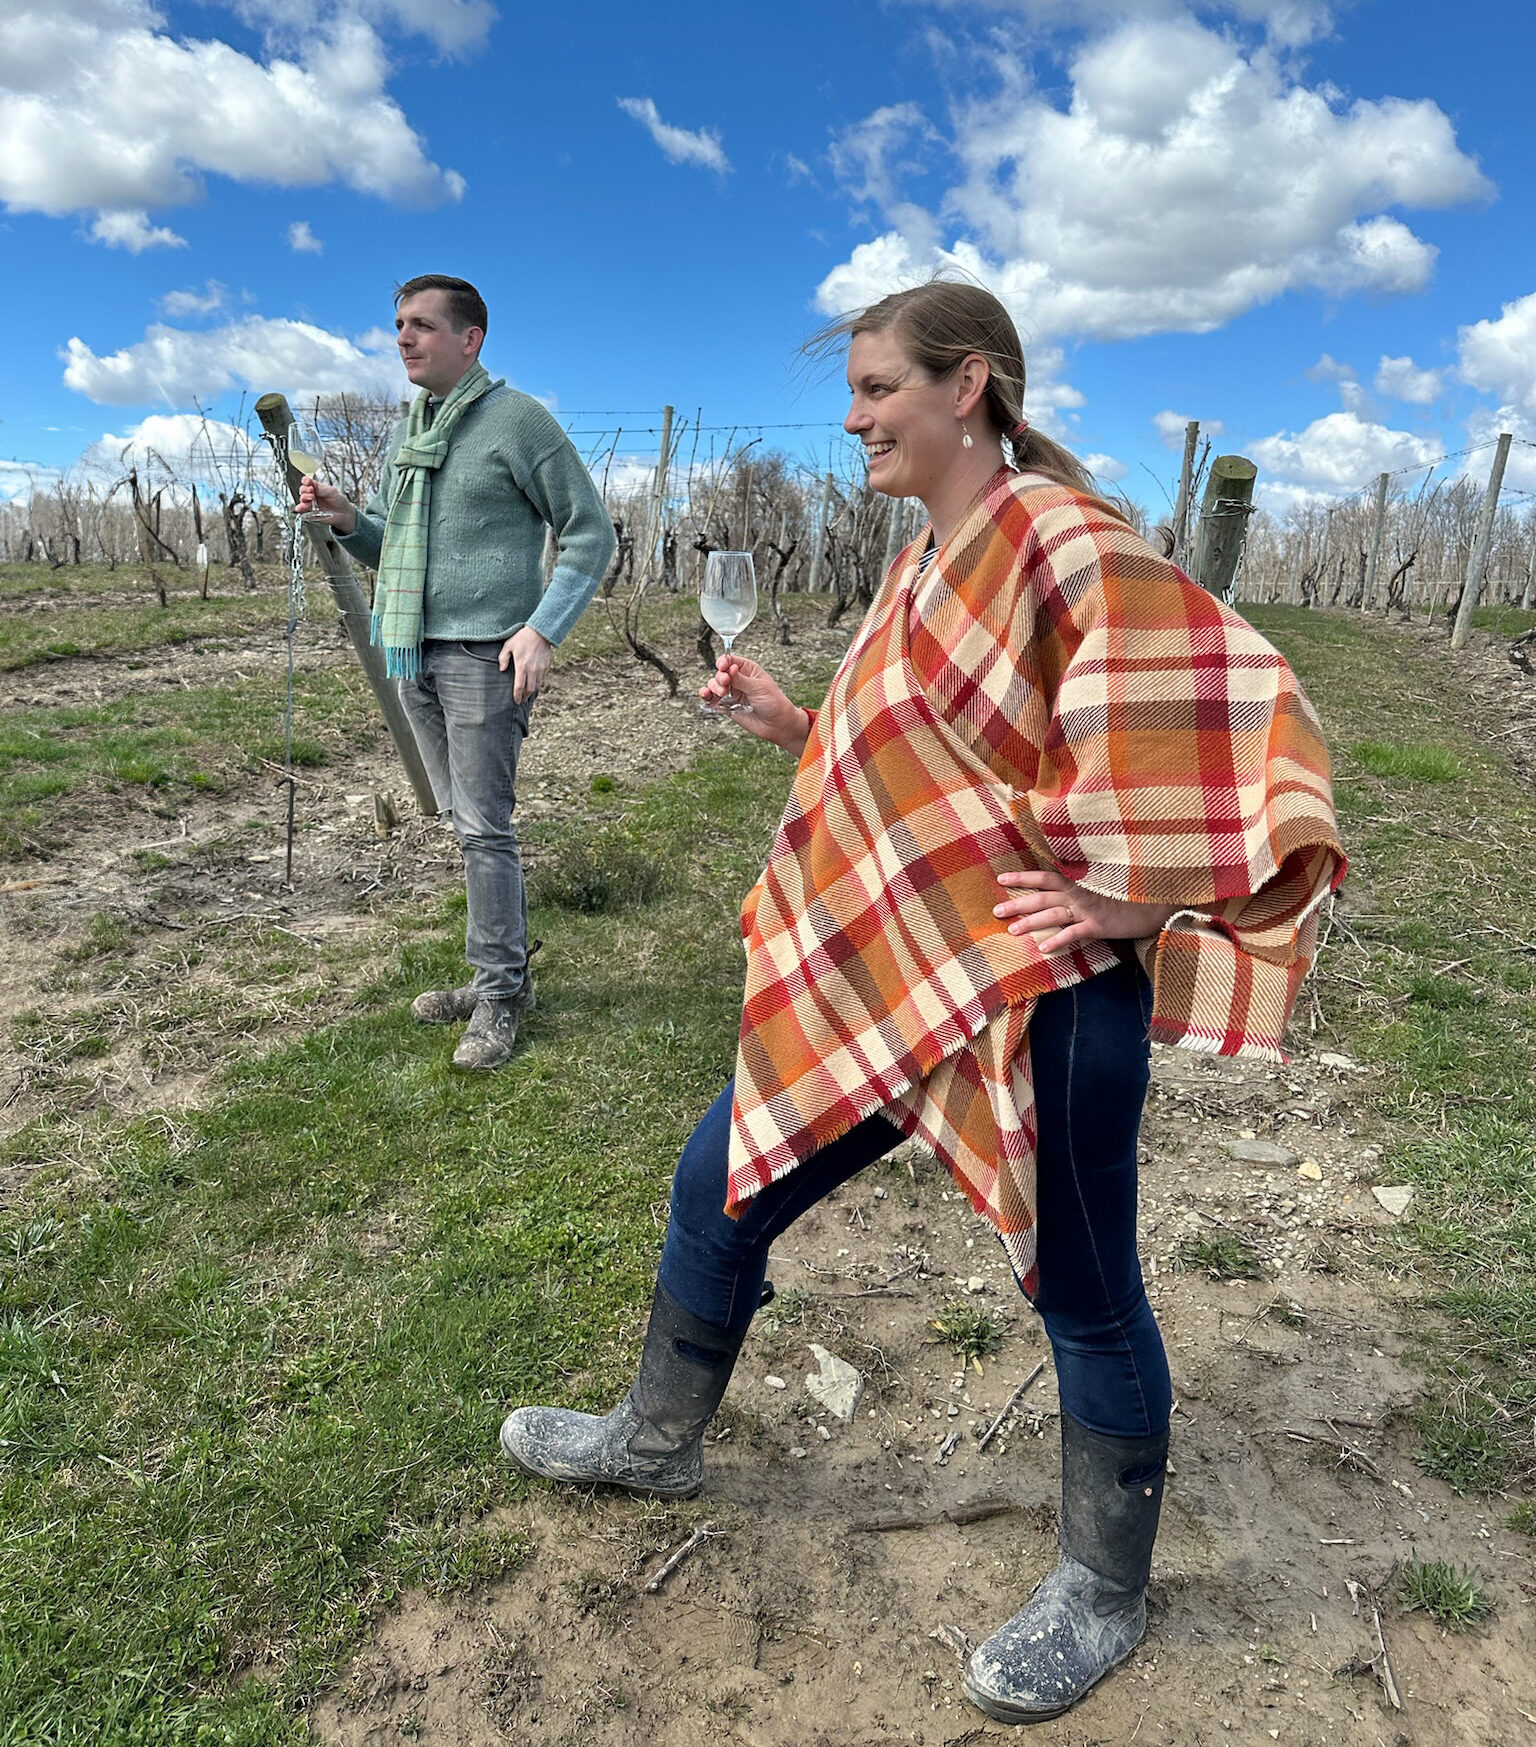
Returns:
point(270, 1272)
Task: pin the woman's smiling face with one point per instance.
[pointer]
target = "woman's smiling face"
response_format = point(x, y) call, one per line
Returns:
point(906, 418)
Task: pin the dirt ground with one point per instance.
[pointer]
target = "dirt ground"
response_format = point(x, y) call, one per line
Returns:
point(848, 1566)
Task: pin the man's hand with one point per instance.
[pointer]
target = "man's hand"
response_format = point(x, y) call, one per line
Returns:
point(1062, 915)
point(316, 497)
point(528, 655)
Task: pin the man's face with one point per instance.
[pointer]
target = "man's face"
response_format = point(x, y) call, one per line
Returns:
point(435, 357)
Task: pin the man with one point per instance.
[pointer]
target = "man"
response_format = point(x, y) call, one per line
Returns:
point(456, 533)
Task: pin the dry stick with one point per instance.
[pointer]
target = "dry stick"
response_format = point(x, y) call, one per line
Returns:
point(696, 1539)
point(992, 1430)
point(958, 1514)
point(1384, 1664)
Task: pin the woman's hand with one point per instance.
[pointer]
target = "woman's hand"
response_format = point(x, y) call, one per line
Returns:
point(1062, 915)
point(772, 716)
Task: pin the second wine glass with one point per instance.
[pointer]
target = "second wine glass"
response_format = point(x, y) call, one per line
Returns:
point(728, 604)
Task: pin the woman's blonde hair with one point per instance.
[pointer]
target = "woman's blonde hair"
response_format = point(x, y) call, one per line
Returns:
point(942, 323)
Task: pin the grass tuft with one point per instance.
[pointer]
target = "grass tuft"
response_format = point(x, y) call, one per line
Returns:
point(1223, 1256)
point(1451, 1595)
point(595, 869)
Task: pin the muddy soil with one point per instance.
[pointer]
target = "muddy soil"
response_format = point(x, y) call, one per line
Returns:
point(847, 1566)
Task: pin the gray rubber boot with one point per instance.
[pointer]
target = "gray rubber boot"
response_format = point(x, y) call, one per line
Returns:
point(653, 1440)
point(1091, 1612)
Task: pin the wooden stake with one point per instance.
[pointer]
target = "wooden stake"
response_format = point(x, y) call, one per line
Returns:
point(352, 605)
point(819, 539)
point(1368, 593)
point(1186, 487)
point(1474, 584)
point(1223, 529)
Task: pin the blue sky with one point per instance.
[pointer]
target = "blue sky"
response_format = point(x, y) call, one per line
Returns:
point(1306, 223)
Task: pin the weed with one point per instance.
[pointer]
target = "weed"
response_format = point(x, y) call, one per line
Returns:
point(1522, 1519)
point(595, 869)
point(1451, 1595)
point(789, 1309)
point(974, 1333)
point(1223, 1256)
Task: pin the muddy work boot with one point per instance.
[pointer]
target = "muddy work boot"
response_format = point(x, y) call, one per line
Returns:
point(489, 1037)
point(652, 1442)
point(1091, 1612)
point(444, 1006)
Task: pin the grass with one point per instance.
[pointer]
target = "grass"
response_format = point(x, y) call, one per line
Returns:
point(1222, 1255)
point(1452, 1596)
point(252, 1360)
point(1434, 986)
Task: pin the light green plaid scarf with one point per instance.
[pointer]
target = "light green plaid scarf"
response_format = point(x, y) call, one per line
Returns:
point(403, 561)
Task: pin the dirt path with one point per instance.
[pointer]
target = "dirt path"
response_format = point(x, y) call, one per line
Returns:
point(808, 1617)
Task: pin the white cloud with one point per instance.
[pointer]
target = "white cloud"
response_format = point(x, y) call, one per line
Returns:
point(1181, 184)
point(1287, 23)
point(102, 108)
point(133, 231)
point(455, 27)
point(19, 479)
point(1333, 456)
point(302, 239)
point(185, 444)
point(861, 155)
point(1105, 467)
point(257, 353)
point(678, 145)
point(189, 302)
point(1170, 427)
point(1329, 369)
point(1499, 357)
point(1402, 379)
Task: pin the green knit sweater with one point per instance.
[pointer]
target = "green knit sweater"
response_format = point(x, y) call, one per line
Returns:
point(511, 471)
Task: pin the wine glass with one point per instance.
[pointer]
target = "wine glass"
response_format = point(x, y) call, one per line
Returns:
point(728, 604)
point(305, 451)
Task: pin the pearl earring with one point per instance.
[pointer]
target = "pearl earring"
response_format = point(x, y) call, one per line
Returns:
point(965, 436)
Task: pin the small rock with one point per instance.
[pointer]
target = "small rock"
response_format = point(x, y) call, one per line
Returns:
point(1311, 1170)
point(775, 1382)
point(838, 1385)
point(975, 1284)
point(797, 1453)
point(1345, 1064)
point(1260, 1152)
point(1395, 1198)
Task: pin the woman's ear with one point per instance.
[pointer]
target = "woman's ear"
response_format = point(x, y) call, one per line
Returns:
point(971, 381)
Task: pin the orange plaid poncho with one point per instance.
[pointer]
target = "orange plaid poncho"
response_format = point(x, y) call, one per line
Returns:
point(1049, 694)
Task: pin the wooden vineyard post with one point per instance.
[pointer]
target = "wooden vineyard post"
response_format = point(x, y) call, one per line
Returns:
point(1223, 527)
point(352, 604)
point(819, 536)
point(1378, 523)
point(1186, 486)
point(1474, 583)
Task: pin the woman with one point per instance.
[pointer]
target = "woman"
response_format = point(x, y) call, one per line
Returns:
point(1058, 801)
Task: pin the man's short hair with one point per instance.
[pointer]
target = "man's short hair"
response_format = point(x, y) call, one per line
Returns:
point(466, 307)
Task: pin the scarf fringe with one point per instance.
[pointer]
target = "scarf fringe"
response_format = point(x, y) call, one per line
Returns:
point(399, 662)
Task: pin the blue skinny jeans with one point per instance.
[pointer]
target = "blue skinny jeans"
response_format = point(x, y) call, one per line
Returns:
point(1090, 1058)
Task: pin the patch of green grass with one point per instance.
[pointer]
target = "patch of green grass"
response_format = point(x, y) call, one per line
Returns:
point(1522, 1519)
point(1504, 621)
point(1222, 1255)
point(1423, 764)
point(1429, 988)
point(253, 1359)
point(1452, 1596)
point(974, 1333)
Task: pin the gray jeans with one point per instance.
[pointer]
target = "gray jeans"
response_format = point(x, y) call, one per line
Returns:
point(470, 733)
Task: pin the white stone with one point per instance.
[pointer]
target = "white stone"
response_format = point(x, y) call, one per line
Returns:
point(838, 1385)
point(1331, 1059)
point(1260, 1152)
point(775, 1382)
point(1395, 1197)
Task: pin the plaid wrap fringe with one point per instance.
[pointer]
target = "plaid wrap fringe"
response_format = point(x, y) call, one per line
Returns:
point(1050, 693)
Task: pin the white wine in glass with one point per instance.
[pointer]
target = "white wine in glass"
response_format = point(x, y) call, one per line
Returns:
point(306, 455)
point(728, 604)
